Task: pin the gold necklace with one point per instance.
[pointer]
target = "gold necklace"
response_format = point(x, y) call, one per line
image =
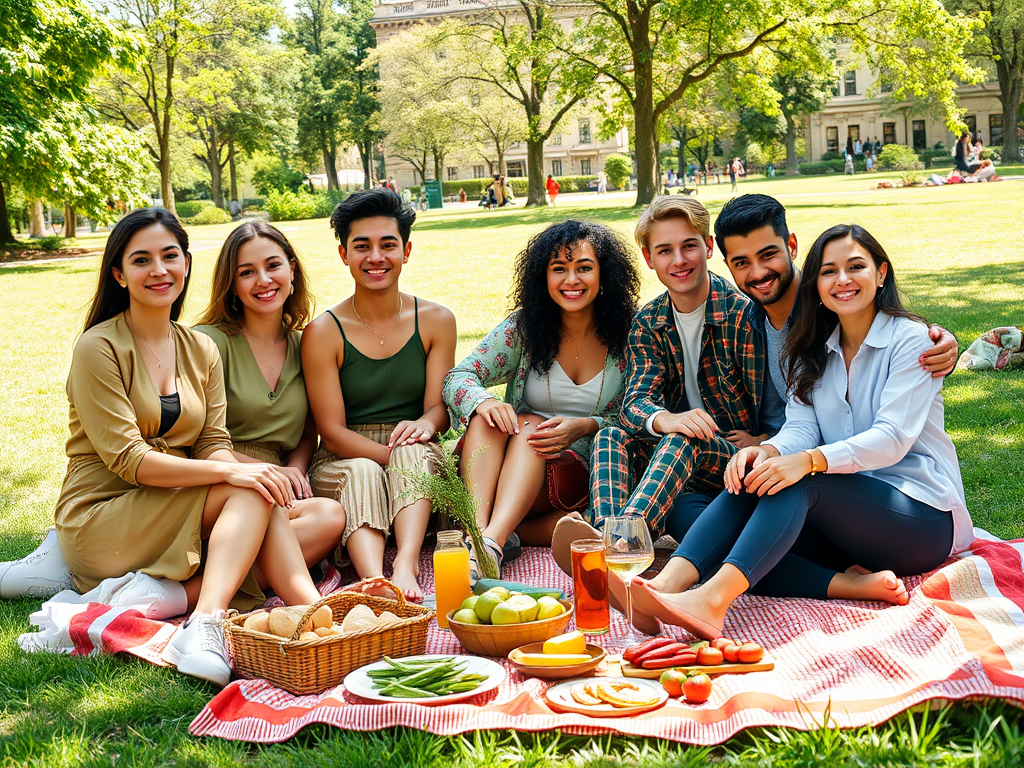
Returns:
point(149, 349)
point(580, 346)
point(600, 391)
point(358, 317)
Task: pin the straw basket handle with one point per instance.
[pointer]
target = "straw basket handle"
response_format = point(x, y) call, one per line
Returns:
point(359, 586)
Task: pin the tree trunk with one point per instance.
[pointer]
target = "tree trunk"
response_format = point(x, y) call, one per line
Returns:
point(37, 221)
point(366, 158)
point(790, 145)
point(232, 171)
point(6, 236)
point(328, 150)
point(646, 165)
point(164, 166)
point(1011, 103)
point(438, 164)
point(70, 221)
point(535, 191)
point(681, 152)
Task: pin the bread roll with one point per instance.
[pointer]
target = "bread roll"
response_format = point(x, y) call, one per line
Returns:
point(258, 622)
point(359, 619)
point(322, 617)
point(309, 636)
point(284, 621)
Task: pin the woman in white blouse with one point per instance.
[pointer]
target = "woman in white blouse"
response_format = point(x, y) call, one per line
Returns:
point(863, 464)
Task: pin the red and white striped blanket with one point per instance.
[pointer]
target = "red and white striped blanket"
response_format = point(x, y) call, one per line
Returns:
point(961, 636)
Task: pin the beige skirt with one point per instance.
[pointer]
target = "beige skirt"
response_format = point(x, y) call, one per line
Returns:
point(371, 495)
point(265, 452)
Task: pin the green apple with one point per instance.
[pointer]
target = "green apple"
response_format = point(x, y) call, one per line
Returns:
point(525, 605)
point(502, 592)
point(470, 602)
point(466, 616)
point(486, 604)
point(504, 613)
point(549, 608)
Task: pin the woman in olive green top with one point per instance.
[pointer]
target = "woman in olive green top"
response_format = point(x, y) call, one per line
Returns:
point(259, 303)
point(374, 365)
point(150, 468)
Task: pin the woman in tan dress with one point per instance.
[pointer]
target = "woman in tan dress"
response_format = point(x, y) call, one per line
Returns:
point(374, 365)
point(258, 306)
point(150, 473)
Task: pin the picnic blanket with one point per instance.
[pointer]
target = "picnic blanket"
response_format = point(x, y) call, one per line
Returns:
point(961, 636)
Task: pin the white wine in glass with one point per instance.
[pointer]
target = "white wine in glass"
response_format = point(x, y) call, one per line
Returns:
point(629, 551)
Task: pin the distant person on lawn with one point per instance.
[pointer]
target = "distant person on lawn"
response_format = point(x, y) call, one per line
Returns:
point(560, 354)
point(552, 188)
point(151, 473)
point(862, 460)
point(373, 366)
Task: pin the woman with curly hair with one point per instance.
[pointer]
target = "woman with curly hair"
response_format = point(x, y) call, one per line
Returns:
point(560, 354)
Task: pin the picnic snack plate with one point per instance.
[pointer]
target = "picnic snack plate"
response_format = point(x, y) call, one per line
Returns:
point(597, 655)
point(766, 664)
point(561, 700)
point(360, 684)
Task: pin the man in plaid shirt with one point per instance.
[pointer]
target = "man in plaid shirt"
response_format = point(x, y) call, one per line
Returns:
point(694, 374)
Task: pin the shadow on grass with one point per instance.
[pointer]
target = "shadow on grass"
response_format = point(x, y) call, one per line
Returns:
point(962, 297)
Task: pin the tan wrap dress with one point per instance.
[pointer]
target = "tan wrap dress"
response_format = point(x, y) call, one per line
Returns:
point(107, 523)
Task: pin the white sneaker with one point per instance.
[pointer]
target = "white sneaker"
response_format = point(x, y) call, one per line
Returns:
point(198, 649)
point(40, 574)
point(154, 598)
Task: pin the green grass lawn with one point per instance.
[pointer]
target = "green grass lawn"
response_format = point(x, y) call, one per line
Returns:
point(958, 253)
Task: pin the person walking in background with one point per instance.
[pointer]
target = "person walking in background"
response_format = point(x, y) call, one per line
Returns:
point(735, 171)
point(553, 189)
point(857, 148)
point(602, 182)
point(849, 146)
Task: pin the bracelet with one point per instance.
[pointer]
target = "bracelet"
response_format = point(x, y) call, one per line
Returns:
point(814, 461)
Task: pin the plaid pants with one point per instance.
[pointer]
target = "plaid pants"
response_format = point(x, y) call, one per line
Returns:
point(645, 475)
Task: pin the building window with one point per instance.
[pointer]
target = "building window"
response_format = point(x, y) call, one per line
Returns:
point(556, 167)
point(515, 169)
point(853, 132)
point(972, 126)
point(453, 173)
point(995, 129)
point(850, 83)
point(479, 172)
point(888, 133)
point(585, 130)
point(555, 140)
point(920, 136)
point(585, 167)
point(832, 139)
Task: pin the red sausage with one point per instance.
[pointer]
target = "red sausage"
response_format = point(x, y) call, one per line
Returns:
point(674, 661)
point(647, 645)
point(672, 649)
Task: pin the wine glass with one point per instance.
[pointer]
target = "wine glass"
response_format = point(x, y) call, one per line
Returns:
point(629, 552)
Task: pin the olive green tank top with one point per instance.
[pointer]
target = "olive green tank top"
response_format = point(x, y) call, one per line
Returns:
point(384, 391)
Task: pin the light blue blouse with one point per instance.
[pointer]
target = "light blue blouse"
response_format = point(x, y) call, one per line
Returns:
point(885, 419)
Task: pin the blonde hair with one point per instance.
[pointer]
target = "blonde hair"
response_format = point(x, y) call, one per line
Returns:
point(225, 311)
point(672, 207)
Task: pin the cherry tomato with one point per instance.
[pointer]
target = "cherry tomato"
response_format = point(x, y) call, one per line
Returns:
point(709, 657)
point(721, 642)
point(697, 689)
point(731, 653)
point(672, 681)
point(751, 653)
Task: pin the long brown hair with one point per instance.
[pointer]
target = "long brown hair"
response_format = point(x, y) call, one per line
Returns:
point(814, 323)
point(225, 311)
point(110, 298)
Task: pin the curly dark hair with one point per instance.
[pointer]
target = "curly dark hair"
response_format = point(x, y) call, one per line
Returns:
point(539, 318)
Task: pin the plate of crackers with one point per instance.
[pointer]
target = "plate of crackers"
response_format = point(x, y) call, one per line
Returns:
point(607, 696)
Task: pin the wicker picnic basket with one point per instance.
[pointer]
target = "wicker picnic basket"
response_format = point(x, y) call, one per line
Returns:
point(311, 666)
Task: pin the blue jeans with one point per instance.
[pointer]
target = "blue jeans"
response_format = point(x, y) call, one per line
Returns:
point(793, 543)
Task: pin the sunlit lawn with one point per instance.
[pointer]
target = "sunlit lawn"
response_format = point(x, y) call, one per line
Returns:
point(958, 252)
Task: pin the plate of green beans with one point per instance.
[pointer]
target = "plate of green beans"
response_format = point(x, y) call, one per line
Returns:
point(427, 679)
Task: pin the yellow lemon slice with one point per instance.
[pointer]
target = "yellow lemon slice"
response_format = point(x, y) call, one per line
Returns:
point(626, 695)
point(580, 695)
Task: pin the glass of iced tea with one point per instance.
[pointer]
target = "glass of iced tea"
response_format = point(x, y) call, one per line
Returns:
point(590, 585)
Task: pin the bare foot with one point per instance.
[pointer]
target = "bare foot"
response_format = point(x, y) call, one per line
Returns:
point(860, 584)
point(371, 585)
point(678, 575)
point(617, 599)
point(693, 610)
point(407, 580)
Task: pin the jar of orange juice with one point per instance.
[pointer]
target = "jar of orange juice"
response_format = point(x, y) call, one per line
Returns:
point(451, 574)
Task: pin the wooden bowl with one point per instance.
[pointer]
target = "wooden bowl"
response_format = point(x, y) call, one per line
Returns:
point(490, 640)
point(597, 654)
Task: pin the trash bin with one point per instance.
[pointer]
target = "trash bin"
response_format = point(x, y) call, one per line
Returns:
point(435, 194)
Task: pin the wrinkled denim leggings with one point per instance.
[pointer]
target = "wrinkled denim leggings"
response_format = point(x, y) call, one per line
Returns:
point(793, 543)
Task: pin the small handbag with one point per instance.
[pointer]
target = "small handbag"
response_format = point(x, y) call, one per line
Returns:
point(568, 484)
